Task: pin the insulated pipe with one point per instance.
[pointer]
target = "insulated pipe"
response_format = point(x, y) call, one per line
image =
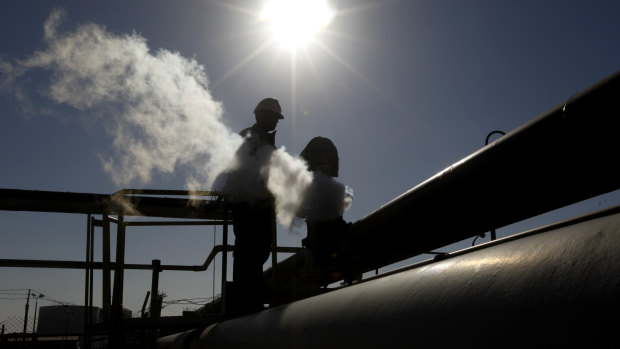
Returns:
point(566, 155)
point(557, 286)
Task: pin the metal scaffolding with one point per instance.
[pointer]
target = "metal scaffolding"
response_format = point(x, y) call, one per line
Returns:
point(203, 208)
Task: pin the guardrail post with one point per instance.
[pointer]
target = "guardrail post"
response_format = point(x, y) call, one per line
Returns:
point(106, 267)
point(119, 271)
point(155, 299)
point(224, 259)
point(116, 325)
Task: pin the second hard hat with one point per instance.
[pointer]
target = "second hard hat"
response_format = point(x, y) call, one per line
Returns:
point(321, 155)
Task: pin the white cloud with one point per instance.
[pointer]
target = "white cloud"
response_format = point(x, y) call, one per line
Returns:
point(164, 116)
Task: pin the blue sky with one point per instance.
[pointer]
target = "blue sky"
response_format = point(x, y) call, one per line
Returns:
point(403, 88)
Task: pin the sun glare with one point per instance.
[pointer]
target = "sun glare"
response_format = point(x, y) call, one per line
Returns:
point(295, 22)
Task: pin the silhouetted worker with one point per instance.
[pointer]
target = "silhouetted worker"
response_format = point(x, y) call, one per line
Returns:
point(253, 207)
point(323, 207)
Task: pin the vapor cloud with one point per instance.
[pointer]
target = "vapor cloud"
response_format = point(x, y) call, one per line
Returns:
point(289, 181)
point(157, 107)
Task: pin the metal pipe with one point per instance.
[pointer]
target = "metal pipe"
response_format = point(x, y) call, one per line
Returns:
point(116, 325)
point(50, 201)
point(56, 264)
point(105, 293)
point(92, 259)
point(87, 275)
point(561, 157)
point(88, 330)
point(486, 142)
point(556, 287)
point(155, 298)
point(224, 263)
point(119, 271)
point(172, 223)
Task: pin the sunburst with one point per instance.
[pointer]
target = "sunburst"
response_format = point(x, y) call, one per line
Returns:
point(294, 23)
point(294, 26)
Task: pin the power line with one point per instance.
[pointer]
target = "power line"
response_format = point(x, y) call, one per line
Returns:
point(12, 292)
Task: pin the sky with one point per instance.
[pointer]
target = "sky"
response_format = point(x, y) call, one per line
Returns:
point(97, 96)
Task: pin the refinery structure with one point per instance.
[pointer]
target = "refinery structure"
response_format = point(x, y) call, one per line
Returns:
point(556, 285)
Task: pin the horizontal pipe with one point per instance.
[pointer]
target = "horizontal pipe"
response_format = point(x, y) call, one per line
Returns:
point(116, 204)
point(173, 223)
point(557, 287)
point(31, 263)
point(564, 156)
point(38, 263)
point(57, 264)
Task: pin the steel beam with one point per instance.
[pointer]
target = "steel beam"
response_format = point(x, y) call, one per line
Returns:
point(564, 156)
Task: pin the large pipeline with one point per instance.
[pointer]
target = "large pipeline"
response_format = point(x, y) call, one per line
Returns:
point(564, 156)
point(555, 287)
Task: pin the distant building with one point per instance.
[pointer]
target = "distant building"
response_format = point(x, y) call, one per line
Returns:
point(56, 319)
point(65, 323)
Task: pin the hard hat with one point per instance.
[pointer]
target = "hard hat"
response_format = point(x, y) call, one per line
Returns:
point(321, 155)
point(271, 105)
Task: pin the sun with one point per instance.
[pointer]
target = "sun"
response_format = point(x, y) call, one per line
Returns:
point(295, 22)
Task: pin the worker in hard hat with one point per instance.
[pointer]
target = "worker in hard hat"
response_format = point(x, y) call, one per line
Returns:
point(324, 204)
point(267, 113)
point(253, 207)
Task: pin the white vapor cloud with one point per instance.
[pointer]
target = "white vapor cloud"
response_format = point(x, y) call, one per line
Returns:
point(157, 107)
point(157, 104)
point(288, 180)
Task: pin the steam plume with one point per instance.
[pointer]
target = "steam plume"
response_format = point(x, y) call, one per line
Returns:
point(156, 105)
point(288, 181)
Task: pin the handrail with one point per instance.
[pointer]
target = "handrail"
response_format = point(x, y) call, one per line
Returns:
point(123, 202)
point(60, 264)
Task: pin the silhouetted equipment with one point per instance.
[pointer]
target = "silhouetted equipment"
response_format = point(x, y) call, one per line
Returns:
point(564, 156)
point(553, 286)
point(203, 208)
point(558, 285)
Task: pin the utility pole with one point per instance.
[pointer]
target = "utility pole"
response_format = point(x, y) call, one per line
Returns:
point(26, 316)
